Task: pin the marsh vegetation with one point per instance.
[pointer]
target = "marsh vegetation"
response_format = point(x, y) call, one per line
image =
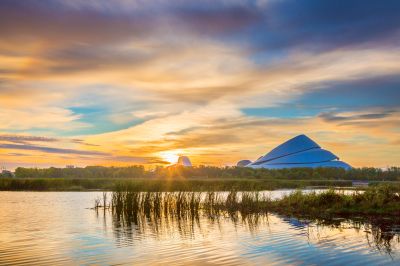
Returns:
point(201, 172)
point(378, 200)
point(224, 234)
point(202, 178)
point(377, 210)
point(154, 185)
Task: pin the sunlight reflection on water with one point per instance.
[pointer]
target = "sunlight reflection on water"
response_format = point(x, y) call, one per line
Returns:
point(57, 228)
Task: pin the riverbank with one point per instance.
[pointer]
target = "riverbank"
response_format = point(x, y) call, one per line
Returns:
point(375, 201)
point(203, 184)
point(148, 184)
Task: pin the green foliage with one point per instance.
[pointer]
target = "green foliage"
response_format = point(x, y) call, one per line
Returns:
point(86, 172)
point(379, 200)
point(190, 178)
point(151, 184)
point(375, 174)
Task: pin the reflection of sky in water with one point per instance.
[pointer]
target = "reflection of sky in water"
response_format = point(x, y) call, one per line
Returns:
point(294, 245)
point(51, 228)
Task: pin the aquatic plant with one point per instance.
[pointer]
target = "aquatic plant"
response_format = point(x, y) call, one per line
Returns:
point(163, 213)
point(154, 185)
point(375, 200)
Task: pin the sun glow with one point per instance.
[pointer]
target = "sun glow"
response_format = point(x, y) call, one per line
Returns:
point(170, 156)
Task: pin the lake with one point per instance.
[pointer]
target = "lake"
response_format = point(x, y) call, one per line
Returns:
point(59, 228)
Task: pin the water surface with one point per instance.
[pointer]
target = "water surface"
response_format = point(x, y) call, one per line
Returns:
point(58, 228)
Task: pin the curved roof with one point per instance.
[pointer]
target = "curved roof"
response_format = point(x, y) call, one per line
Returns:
point(338, 164)
point(299, 151)
point(294, 145)
point(308, 156)
point(184, 160)
point(243, 163)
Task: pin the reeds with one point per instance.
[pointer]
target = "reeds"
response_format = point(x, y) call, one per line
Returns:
point(165, 185)
point(154, 204)
point(181, 204)
point(161, 213)
point(375, 200)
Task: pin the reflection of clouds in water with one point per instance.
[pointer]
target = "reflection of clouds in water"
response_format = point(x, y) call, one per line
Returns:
point(265, 238)
point(49, 228)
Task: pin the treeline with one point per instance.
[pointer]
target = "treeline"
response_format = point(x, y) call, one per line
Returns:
point(86, 172)
point(390, 174)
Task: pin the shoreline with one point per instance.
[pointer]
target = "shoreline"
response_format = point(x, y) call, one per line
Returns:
point(167, 185)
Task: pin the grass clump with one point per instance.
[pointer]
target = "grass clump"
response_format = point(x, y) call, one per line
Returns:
point(382, 199)
point(377, 200)
point(154, 185)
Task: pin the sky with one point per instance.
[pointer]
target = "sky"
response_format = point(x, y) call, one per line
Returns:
point(121, 82)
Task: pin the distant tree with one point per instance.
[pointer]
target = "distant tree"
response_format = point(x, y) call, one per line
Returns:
point(135, 171)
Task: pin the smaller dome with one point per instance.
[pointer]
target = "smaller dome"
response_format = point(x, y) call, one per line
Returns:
point(184, 161)
point(243, 163)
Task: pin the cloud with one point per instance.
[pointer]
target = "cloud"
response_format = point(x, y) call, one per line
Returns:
point(18, 154)
point(335, 117)
point(204, 140)
point(50, 150)
point(44, 118)
point(142, 78)
point(137, 160)
point(30, 20)
point(320, 25)
point(360, 93)
point(23, 139)
point(217, 19)
point(29, 139)
point(80, 141)
point(277, 25)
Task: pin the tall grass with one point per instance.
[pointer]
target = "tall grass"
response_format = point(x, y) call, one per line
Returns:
point(154, 185)
point(155, 204)
point(374, 201)
point(168, 212)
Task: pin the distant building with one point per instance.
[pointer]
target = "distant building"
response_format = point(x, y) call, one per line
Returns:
point(6, 173)
point(184, 161)
point(243, 163)
point(299, 151)
point(360, 183)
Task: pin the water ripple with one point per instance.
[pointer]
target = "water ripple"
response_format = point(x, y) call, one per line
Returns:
point(57, 229)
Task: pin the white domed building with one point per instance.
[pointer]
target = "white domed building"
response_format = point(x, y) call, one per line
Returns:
point(184, 161)
point(300, 151)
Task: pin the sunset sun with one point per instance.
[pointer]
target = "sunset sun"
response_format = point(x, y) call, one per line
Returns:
point(169, 156)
